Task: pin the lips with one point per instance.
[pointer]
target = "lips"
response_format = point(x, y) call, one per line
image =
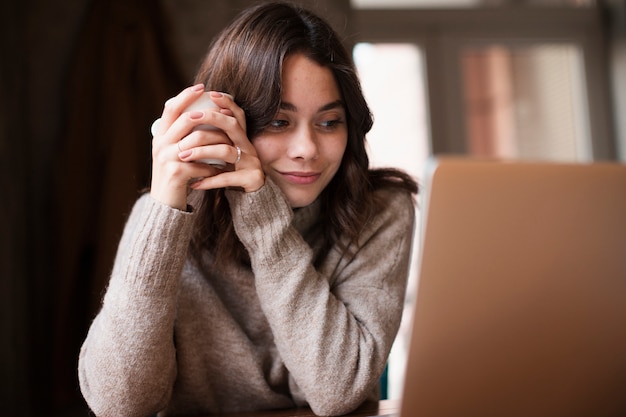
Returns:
point(301, 178)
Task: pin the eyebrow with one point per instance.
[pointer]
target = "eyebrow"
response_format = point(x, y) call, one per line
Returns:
point(330, 106)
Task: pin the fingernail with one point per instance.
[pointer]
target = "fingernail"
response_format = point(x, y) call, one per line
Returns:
point(216, 94)
point(184, 154)
point(198, 87)
point(196, 115)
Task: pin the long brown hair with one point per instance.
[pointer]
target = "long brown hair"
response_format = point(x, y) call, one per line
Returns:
point(246, 61)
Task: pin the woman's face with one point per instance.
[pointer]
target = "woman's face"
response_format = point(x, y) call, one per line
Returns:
point(303, 147)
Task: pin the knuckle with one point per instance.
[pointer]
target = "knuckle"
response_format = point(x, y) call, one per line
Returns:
point(157, 150)
point(169, 108)
point(175, 169)
point(259, 177)
point(231, 123)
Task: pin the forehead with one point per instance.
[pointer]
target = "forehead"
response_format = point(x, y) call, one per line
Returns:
point(305, 81)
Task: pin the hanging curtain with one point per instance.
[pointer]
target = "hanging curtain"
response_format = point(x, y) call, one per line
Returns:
point(119, 78)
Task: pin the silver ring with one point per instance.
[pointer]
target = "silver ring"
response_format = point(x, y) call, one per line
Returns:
point(238, 154)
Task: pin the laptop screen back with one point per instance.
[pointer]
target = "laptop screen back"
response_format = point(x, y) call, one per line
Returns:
point(521, 298)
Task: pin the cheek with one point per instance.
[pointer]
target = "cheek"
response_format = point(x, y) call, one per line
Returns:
point(336, 150)
point(267, 150)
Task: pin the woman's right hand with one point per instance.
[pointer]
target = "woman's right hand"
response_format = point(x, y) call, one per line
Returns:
point(172, 176)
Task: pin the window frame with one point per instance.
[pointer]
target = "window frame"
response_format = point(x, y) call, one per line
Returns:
point(443, 33)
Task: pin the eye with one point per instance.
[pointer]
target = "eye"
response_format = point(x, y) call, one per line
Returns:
point(278, 124)
point(331, 124)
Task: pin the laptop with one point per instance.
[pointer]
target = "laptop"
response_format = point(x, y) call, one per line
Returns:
point(521, 295)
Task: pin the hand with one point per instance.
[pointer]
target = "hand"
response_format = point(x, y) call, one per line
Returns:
point(176, 145)
point(245, 170)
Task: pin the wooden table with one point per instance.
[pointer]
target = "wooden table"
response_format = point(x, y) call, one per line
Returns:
point(381, 408)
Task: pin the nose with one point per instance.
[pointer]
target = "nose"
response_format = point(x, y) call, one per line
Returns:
point(304, 144)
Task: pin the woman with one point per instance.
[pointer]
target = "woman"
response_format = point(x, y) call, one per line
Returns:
point(275, 282)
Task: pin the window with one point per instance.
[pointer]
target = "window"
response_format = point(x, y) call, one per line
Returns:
point(525, 102)
point(399, 138)
point(397, 99)
point(519, 82)
point(549, 60)
point(371, 4)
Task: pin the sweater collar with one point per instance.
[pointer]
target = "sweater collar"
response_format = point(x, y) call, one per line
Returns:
point(304, 218)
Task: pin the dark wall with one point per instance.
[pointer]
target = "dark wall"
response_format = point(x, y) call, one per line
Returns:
point(80, 83)
point(35, 48)
point(12, 216)
point(71, 164)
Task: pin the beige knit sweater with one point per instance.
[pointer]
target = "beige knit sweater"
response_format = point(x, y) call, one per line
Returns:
point(182, 341)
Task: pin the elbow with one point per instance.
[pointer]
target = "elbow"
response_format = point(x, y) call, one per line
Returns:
point(115, 395)
point(336, 407)
point(340, 402)
point(105, 405)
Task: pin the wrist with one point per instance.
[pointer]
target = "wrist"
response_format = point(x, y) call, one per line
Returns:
point(175, 200)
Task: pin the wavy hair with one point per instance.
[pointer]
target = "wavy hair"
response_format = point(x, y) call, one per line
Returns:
point(246, 61)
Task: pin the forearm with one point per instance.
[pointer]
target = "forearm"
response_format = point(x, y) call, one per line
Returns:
point(122, 373)
point(127, 362)
point(334, 341)
point(333, 327)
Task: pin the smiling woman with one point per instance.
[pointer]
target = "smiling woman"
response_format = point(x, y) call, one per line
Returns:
point(277, 281)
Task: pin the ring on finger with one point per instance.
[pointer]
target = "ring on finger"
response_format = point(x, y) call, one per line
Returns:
point(238, 155)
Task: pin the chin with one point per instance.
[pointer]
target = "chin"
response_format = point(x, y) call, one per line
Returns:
point(298, 204)
point(300, 201)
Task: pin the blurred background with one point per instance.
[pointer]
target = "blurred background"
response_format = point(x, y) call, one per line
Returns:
point(82, 80)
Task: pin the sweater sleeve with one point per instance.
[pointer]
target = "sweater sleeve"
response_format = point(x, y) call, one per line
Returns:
point(334, 327)
point(127, 363)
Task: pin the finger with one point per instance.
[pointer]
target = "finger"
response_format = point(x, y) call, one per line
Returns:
point(226, 102)
point(198, 171)
point(167, 145)
point(248, 180)
point(217, 155)
point(231, 131)
point(175, 106)
point(220, 152)
point(203, 137)
point(188, 123)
